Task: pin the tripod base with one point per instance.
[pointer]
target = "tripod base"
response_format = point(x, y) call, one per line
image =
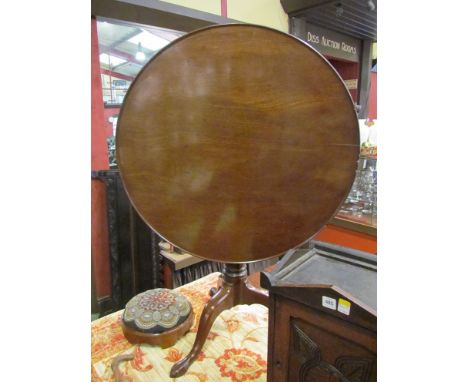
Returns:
point(233, 289)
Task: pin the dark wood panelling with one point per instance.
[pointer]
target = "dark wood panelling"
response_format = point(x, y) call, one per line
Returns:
point(133, 249)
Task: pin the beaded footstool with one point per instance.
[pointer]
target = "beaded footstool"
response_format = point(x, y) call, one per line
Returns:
point(157, 317)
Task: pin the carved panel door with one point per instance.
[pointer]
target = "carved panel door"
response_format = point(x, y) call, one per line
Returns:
point(321, 347)
point(317, 355)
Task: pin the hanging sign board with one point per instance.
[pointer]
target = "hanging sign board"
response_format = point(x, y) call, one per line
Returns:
point(331, 43)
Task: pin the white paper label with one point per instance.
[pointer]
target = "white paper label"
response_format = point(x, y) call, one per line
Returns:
point(329, 302)
point(344, 306)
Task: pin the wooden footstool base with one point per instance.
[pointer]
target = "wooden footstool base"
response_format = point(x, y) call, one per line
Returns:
point(157, 317)
point(165, 339)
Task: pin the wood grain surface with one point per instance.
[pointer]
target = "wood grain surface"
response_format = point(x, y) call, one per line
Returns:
point(237, 142)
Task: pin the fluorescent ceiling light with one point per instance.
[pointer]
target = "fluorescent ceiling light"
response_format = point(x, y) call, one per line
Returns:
point(140, 56)
point(114, 61)
point(149, 41)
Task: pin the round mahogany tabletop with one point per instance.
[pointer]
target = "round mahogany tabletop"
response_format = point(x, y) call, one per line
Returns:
point(237, 142)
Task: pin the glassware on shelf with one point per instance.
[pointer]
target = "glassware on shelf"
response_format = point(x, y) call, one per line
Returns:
point(361, 203)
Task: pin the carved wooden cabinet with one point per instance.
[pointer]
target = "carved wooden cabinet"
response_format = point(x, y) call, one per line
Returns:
point(322, 317)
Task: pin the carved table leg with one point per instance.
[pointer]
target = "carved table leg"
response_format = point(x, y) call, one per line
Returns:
point(245, 292)
point(253, 295)
point(221, 300)
point(234, 289)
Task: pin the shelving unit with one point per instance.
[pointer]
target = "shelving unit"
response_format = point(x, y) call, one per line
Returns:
point(360, 207)
point(179, 268)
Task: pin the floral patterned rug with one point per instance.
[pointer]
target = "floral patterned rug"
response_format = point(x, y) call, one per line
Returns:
point(235, 351)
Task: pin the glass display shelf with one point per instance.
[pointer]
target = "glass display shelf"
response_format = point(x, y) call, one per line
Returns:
point(359, 210)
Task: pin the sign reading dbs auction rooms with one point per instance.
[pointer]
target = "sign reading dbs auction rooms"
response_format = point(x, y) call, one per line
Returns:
point(333, 44)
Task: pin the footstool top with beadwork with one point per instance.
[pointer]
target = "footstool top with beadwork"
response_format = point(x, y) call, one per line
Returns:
point(158, 316)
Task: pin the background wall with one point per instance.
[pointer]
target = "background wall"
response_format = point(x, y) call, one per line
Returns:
point(99, 161)
point(373, 97)
point(263, 12)
point(347, 238)
point(210, 6)
point(268, 13)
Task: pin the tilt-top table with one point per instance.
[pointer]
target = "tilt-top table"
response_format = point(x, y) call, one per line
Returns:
point(236, 143)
